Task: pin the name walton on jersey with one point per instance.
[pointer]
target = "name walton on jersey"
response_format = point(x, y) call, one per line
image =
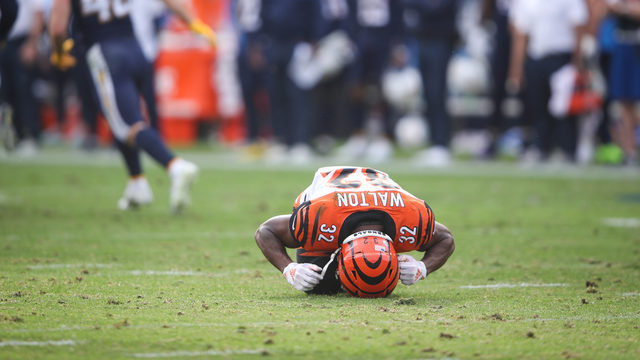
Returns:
point(390, 199)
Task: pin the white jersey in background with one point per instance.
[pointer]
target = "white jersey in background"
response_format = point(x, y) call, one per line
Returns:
point(549, 24)
point(27, 10)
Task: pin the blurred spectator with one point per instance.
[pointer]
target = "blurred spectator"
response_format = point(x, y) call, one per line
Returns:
point(17, 66)
point(625, 75)
point(329, 95)
point(375, 27)
point(433, 25)
point(602, 26)
point(545, 35)
point(86, 93)
point(496, 12)
point(288, 25)
point(252, 68)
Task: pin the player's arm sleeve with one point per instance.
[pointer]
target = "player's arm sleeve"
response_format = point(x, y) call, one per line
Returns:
point(439, 248)
point(273, 237)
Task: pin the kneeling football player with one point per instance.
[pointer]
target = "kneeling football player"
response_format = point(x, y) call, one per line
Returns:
point(348, 227)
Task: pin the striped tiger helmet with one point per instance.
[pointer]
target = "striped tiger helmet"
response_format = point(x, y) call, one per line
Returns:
point(368, 264)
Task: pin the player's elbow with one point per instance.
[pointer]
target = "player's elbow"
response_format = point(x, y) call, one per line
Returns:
point(450, 245)
point(447, 243)
point(263, 234)
point(259, 235)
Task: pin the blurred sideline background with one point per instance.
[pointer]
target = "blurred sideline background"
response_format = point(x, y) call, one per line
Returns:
point(292, 81)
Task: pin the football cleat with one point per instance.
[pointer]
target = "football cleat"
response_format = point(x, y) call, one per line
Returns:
point(182, 174)
point(368, 264)
point(138, 192)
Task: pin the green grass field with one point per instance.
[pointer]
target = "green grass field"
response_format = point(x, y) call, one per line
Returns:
point(547, 266)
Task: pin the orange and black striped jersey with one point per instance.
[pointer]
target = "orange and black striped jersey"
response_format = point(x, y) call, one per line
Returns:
point(341, 198)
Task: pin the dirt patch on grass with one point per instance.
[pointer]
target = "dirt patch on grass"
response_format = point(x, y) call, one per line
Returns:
point(405, 301)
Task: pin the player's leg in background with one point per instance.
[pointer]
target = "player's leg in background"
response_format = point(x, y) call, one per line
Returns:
point(181, 172)
point(329, 283)
point(115, 69)
point(137, 191)
point(147, 88)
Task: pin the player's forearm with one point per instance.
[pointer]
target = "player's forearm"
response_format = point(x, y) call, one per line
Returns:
point(579, 32)
point(178, 8)
point(439, 253)
point(58, 23)
point(36, 28)
point(518, 55)
point(272, 247)
point(626, 8)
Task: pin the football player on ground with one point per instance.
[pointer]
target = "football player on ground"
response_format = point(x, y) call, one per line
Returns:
point(119, 70)
point(341, 206)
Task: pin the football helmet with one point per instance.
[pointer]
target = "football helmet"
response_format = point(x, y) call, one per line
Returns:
point(368, 264)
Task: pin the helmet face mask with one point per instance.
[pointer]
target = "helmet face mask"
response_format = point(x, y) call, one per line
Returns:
point(368, 264)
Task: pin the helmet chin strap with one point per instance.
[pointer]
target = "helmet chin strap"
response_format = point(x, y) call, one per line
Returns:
point(333, 258)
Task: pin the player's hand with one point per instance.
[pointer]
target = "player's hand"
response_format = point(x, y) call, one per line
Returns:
point(411, 270)
point(303, 277)
point(203, 29)
point(63, 60)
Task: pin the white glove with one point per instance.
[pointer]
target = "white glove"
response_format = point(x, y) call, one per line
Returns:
point(303, 277)
point(411, 270)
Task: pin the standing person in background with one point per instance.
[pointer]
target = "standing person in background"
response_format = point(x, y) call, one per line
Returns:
point(330, 103)
point(625, 75)
point(602, 27)
point(432, 23)
point(497, 12)
point(86, 93)
point(287, 24)
point(17, 66)
point(118, 68)
point(375, 27)
point(252, 67)
point(546, 37)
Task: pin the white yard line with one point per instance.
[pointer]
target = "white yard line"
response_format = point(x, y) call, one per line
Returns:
point(155, 235)
point(500, 286)
point(198, 353)
point(38, 343)
point(69, 266)
point(258, 324)
point(186, 273)
point(622, 222)
point(586, 318)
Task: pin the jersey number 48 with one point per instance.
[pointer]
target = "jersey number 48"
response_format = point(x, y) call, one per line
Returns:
point(106, 10)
